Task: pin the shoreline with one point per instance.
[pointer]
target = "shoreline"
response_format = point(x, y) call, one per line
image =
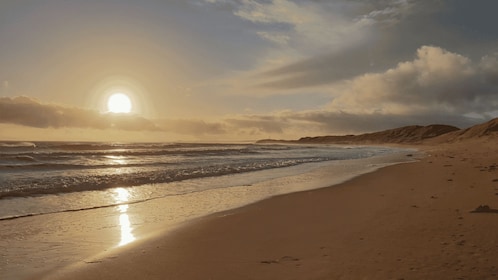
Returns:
point(34, 246)
point(18, 204)
point(410, 221)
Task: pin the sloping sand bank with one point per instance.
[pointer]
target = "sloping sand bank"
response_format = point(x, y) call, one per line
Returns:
point(408, 221)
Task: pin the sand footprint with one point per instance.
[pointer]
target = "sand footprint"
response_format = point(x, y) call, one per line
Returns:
point(281, 260)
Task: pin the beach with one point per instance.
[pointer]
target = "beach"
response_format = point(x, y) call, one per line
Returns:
point(407, 221)
point(43, 233)
point(248, 139)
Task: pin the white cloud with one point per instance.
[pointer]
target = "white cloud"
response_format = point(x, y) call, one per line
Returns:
point(319, 26)
point(436, 81)
point(312, 42)
point(436, 86)
point(278, 38)
point(305, 25)
point(389, 13)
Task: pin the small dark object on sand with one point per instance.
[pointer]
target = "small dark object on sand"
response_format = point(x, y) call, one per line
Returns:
point(484, 209)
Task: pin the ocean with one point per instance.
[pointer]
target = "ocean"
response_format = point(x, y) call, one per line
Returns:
point(48, 177)
point(65, 203)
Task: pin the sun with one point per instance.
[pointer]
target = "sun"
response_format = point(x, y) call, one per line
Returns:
point(119, 103)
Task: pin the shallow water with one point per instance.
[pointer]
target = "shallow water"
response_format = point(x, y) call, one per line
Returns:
point(48, 177)
point(76, 227)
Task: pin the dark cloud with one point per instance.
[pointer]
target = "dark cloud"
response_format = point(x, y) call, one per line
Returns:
point(375, 50)
point(435, 81)
point(327, 69)
point(436, 86)
point(312, 123)
point(259, 124)
point(333, 122)
point(30, 112)
point(193, 127)
point(460, 26)
point(287, 124)
point(475, 21)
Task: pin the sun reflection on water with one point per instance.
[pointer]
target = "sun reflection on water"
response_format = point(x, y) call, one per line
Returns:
point(122, 195)
point(119, 160)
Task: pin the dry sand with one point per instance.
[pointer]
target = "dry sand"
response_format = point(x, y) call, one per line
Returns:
point(408, 221)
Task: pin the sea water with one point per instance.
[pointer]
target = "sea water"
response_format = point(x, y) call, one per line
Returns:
point(47, 177)
point(63, 202)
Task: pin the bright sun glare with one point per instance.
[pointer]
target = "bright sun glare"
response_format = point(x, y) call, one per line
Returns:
point(119, 103)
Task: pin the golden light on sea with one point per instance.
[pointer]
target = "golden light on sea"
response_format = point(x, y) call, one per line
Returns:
point(122, 195)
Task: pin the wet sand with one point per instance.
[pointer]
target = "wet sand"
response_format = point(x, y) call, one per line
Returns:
point(408, 221)
point(34, 245)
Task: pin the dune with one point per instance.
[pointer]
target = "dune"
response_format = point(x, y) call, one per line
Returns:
point(411, 135)
point(408, 135)
point(485, 130)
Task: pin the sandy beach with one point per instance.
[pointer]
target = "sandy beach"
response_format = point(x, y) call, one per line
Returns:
point(248, 139)
point(408, 221)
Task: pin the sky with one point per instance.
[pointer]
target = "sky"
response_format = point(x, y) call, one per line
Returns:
point(242, 70)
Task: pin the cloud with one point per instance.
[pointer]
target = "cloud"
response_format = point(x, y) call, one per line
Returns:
point(387, 12)
point(192, 127)
point(357, 37)
point(280, 39)
point(320, 42)
point(436, 86)
point(322, 69)
point(29, 112)
point(341, 122)
point(435, 81)
point(292, 124)
point(258, 124)
point(489, 68)
point(301, 25)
